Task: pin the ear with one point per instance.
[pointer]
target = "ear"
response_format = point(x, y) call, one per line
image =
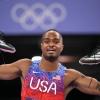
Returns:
point(41, 45)
point(62, 47)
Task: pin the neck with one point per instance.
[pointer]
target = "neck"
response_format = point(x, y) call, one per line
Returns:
point(48, 66)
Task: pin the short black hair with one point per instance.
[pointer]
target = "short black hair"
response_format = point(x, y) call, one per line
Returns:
point(51, 30)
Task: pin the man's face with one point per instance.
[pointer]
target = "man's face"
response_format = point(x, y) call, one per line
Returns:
point(52, 45)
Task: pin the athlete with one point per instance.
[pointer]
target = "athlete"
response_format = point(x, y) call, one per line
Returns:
point(46, 78)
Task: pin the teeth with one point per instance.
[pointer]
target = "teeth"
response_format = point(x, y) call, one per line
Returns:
point(51, 50)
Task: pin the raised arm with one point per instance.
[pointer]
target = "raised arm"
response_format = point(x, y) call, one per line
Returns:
point(13, 70)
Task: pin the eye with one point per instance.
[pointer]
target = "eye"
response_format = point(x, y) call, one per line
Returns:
point(46, 41)
point(56, 41)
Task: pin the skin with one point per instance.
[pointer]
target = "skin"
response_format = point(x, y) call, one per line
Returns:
point(52, 46)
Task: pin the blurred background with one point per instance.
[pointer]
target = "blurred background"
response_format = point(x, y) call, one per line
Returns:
point(24, 21)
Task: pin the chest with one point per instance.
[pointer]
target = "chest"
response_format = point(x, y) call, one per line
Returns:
point(44, 82)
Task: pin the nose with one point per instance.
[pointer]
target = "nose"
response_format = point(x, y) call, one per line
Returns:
point(51, 44)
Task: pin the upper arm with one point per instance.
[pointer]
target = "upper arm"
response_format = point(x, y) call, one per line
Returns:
point(79, 79)
point(13, 70)
point(8, 71)
point(89, 85)
point(84, 83)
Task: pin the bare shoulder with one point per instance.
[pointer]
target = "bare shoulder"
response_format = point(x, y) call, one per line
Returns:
point(23, 65)
point(70, 76)
point(20, 63)
point(72, 73)
point(24, 62)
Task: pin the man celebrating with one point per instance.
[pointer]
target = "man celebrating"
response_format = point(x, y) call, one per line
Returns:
point(47, 78)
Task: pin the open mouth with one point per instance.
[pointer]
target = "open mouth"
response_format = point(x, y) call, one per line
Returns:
point(51, 50)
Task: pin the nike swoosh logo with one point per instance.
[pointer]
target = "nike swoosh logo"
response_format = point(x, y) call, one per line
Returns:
point(35, 72)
